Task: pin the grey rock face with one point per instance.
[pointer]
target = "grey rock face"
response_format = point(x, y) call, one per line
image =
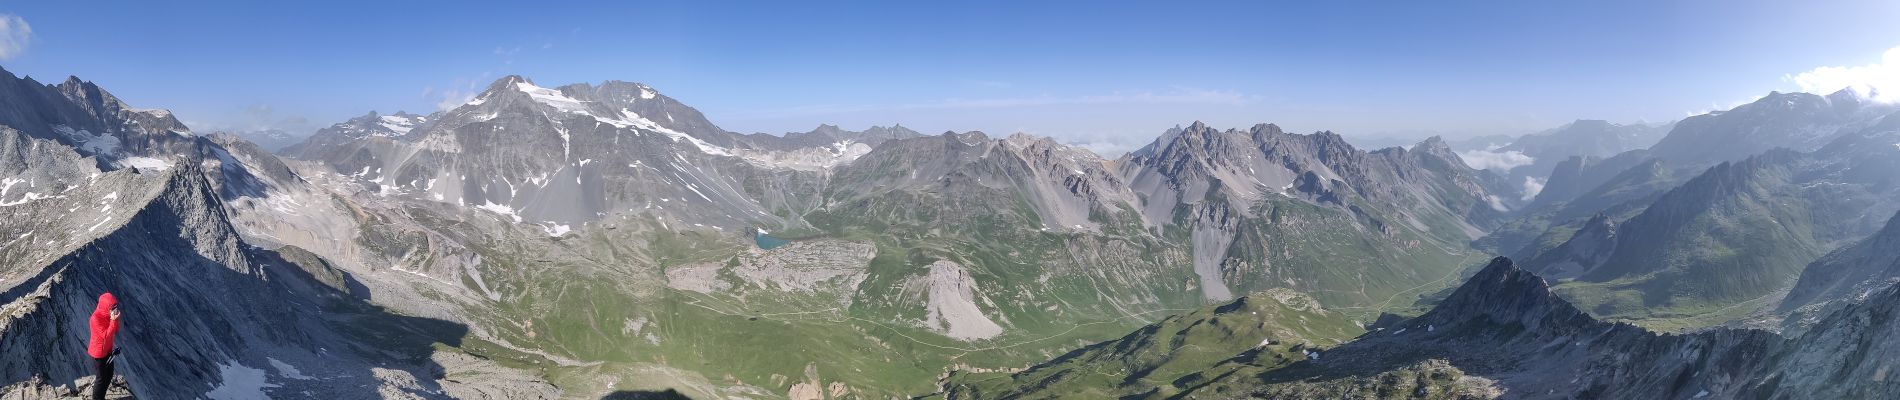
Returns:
point(201, 306)
point(1213, 181)
point(79, 114)
point(565, 156)
point(1186, 163)
point(828, 135)
point(102, 197)
point(143, 258)
point(970, 174)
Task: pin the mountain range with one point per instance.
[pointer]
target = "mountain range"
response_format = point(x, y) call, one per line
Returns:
point(593, 240)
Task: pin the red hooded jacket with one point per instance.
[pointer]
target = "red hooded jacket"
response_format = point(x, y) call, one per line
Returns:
point(103, 327)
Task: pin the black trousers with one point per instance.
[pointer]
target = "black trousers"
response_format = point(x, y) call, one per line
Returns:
point(104, 368)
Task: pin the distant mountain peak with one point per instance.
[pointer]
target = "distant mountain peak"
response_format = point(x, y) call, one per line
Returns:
point(627, 84)
point(1504, 293)
point(1592, 123)
point(971, 137)
point(1436, 146)
point(827, 129)
point(897, 131)
point(74, 80)
point(508, 81)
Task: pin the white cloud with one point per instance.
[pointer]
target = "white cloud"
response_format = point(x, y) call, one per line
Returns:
point(454, 98)
point(1496, 203)
point(1492, 159)
point(1532, 186)
point(14, 34)
point(1107, 149)
point(455, 94)
point(1879, 81)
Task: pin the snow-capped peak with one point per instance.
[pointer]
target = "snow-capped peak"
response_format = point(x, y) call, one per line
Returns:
point(400, 124)
point(551, 97)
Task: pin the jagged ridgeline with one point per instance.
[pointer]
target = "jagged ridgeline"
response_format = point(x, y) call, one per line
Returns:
point(959, 248)
point(1733, 239)
point(102, 197)
point(588, 241)
point(1502, 334)
point(541, 241)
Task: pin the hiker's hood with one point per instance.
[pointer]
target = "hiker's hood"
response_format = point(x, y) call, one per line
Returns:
point(106, 302)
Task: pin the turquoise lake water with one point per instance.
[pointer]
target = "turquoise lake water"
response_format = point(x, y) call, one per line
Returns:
point(768, 242)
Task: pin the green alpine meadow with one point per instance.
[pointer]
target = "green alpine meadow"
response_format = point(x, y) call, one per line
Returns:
point(961, 201)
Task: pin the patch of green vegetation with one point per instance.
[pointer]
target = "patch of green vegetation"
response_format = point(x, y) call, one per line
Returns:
point(596, 304)
point(1254, 334)
point(1331, 255)
point(1624, 301)
point(1704, 250)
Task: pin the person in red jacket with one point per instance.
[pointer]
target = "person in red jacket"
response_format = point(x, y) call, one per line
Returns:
point(105, 326)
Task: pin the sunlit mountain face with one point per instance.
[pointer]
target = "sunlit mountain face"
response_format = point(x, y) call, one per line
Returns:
point(997, 201)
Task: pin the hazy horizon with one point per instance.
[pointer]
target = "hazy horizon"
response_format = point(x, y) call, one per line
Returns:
point(1108, 77)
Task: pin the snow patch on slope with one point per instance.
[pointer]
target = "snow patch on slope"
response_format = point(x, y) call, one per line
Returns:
point(552, 98)
point(627, 119)
point(145, 163)
point(630, 119)
point(500, 209)
point(88, 142)
point(808, 158)
point(287, 370)
point(556, 230)
point(398, 124)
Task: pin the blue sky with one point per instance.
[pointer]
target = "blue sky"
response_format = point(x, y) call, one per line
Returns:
point(1109, 75)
